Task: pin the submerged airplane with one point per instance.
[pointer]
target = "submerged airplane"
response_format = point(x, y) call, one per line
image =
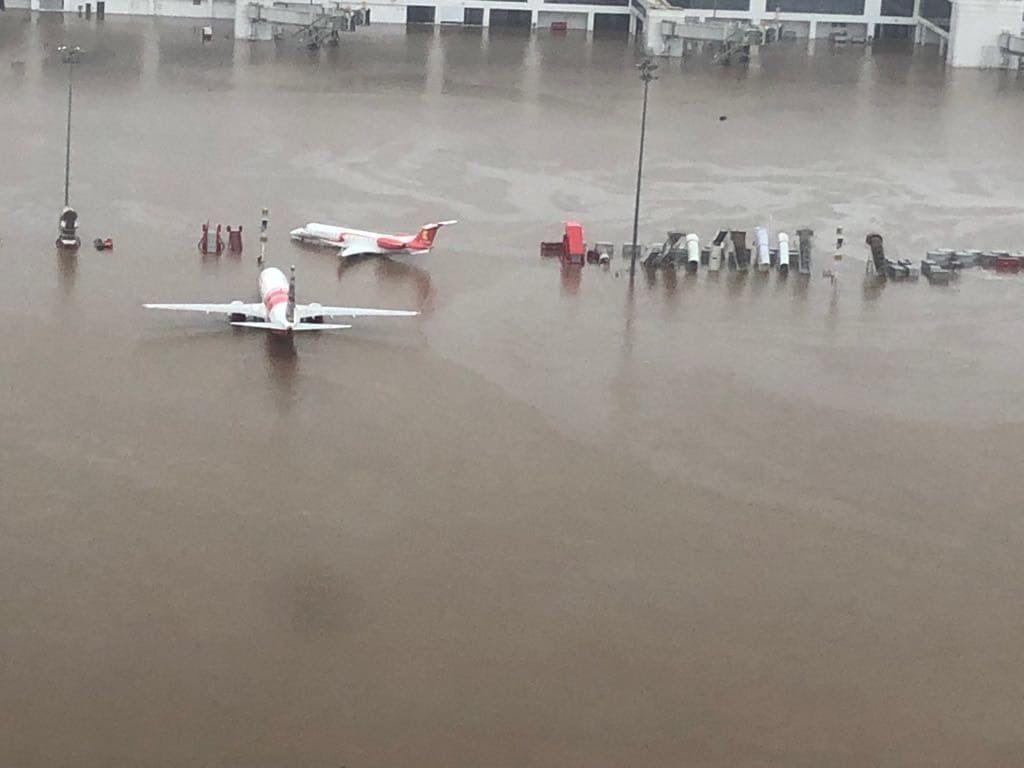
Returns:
point(355, 242)
point(277, 310)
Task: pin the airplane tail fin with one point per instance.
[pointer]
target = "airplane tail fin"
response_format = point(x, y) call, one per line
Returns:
point(428, 232)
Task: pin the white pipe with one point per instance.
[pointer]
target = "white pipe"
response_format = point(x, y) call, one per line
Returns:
point(783, 252)
point(764, 259)
point(692, 252)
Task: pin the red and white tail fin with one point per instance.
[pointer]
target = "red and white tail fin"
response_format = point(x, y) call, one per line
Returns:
point(425, 237)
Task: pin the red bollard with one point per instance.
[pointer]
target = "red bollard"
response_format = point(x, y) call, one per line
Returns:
point(235, 240)
point(204, 239)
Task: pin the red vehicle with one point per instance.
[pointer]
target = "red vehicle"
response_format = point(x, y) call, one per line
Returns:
point(575, 250)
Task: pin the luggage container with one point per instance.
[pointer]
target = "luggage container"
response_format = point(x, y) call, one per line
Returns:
point(692, 253)
point(935, 273)
point(716, 253)
point(764, 257)
point(875, 243)
point(740, 256)
point(1007, 264)
point(806, 243)
point(783, 253)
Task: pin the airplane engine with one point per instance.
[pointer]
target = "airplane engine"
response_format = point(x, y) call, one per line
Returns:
point(238, 317)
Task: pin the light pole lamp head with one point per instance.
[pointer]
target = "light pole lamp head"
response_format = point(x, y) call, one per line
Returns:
point(647, 68)
point(69, 54)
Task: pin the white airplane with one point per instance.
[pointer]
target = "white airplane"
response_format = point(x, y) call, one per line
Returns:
point(355, 242)
point(277, 310)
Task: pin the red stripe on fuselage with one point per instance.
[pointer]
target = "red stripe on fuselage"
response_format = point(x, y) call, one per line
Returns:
point(275, 297)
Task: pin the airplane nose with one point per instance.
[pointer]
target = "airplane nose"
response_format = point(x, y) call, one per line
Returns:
point(298, 232)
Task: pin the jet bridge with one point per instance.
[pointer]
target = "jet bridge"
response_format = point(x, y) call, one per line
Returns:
point(316, 24)
point(1012, 48)
point(731, 40)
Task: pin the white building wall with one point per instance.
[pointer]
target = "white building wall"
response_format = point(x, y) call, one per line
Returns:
point(207, 9)
point(452, 14)
point(387, 13)
point(975, 29)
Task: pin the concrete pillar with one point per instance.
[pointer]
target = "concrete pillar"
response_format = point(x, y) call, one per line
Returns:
point(975, 29)
point(531, 76)
point(34, 52)
point(813, 33)
point(435, 67)
point(590, 21)
point(150, 54)
point(243, 27)
point(486, 22)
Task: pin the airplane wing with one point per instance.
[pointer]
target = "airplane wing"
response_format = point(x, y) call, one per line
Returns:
point(304, 311)
point(358, 249)
point(234, 308)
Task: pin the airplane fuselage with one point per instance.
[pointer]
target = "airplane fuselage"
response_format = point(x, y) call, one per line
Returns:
point(274, 295)
point(340, 237)
point(357, 242)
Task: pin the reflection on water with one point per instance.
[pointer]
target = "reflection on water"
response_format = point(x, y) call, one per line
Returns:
point(736, 282)
point(404, 273)
point(572, 277)
point(758, 282)
point(67, 268)
point(872, 288)
point(282, 363)
point(670, 279)
point(832, 315)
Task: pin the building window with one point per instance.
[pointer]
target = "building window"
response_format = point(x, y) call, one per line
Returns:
point(712, 5)
point(473, 17)
point(903, 8)
point(419, 14)
point(845, 7)
point(938, 12)
point(504, 18)
point(588, 2)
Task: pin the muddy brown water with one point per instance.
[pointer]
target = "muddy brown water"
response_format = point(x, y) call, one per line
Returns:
point(732, 522)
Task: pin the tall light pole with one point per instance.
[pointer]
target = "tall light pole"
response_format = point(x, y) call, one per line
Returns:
point(69, 55)
point(646, 68)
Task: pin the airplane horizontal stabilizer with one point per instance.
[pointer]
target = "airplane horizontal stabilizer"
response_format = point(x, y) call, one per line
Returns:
point(261, 326)
point(319, 327)
point(296, 327)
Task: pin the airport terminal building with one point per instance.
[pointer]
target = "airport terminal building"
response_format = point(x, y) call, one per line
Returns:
point(971, 32)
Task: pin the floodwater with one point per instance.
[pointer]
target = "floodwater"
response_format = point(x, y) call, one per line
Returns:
point(551, 522)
